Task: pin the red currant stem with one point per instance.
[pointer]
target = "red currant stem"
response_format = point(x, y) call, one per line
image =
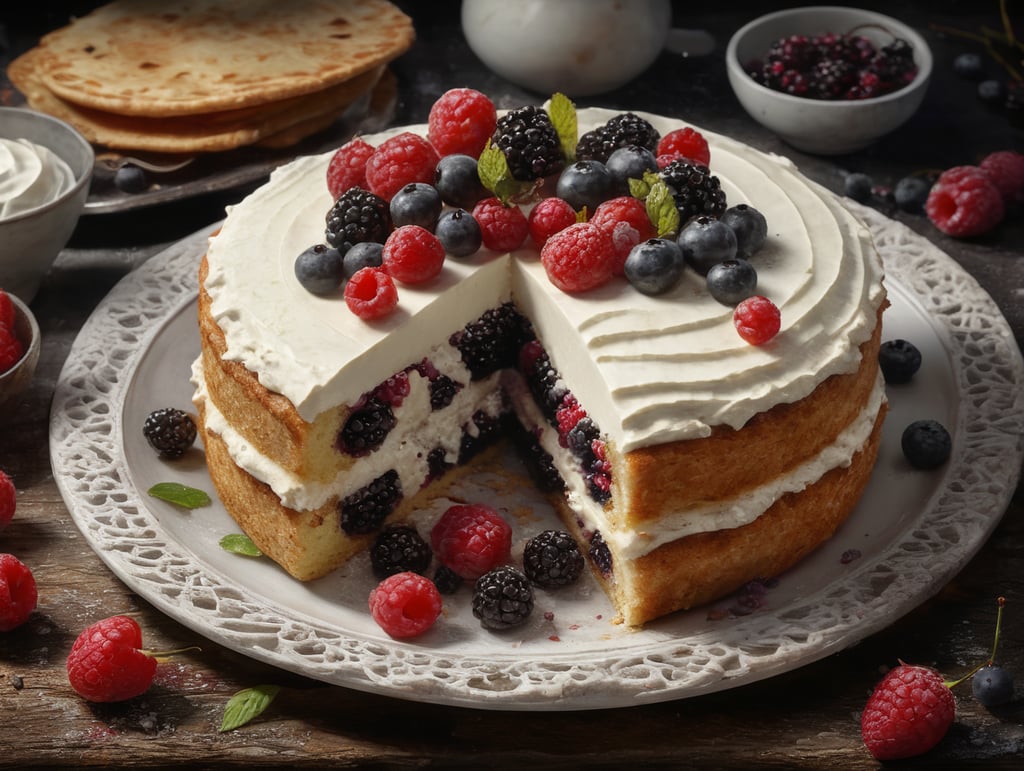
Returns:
point(995, 645)
point(163, 656)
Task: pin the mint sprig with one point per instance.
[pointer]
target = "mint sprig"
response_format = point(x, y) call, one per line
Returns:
point(179, 494)
point(246, 705)
point(495, 175)
point(237, 543)
point(562, 112)
point(657, 197)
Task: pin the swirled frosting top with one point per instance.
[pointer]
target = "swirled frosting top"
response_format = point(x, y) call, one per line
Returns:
point(648, 369)
point(30, 175)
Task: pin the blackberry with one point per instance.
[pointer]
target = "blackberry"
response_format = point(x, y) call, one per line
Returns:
point(539, 463)
point(529, 142)
point(832, 78)
point(552, 559)
point(492, 342)
point(397, 549)
point(600, 555)
point(621, 130)
point(545, 383)
point(695, 189)
point(581, 439)
point(502, 598)
point(894, 65)
point(365, 510)
point(442, 391)
point(485, 431)
point(447, 580)
point(437, 464)
point(169, 431)
point(366, 428)
point(358, 216)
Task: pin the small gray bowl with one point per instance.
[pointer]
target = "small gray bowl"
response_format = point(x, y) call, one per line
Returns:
point(17, 379)
point(820, 126)
point(31, 240)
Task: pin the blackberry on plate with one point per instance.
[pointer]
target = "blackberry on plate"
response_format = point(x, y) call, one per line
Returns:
point(899, 360)
point(169, 431)
point(600, 555)
point(529, 142)
point(695, 189)
point(358, 215)
point(621, 130)
point(447, 580)
point(552, 559)
point(492, 341)
point(502, 598)
point(366, 427)
point(398, 549)
point(365, 510)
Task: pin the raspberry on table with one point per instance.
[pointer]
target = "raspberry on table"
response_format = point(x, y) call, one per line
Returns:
point(908, 713)
point(1006, 170)
point(579, 258)
point(8, 500)
point(461, 122)
point(106, 663)
point(371, 294)
point(347, 167)
point(757, 320)
point(626, 220)
point(685, 143)
point(964, 202)
point(502, 228)
point(405, 604)
point(169, 431)
point(412, 255)
point(397, 161)
point(549, 216)
point(18, 594)
point(471, 539)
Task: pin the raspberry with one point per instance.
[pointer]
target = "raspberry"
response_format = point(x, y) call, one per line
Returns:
point(964, 202)
point(502, 598)
point(461, 122)
point(757, 320)
point(105, 663)
point(397, 161)
point(579, 258)
point(471, 539)
point(412, 255)
point(685, 143)
point(405, 604)
point(548, 217)
point(347, 167)
point(17, 592)
point(503, 228)
point(1006, 170)
point(8, 500)
point(908, 713)
point(399, 549)
point(11, 349)
point(625, 219)
point(567, 416)
point(169, 431)
point(371, 294)
point(6, 310)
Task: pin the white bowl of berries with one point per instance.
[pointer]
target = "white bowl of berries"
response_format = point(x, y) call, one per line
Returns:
point(828, 79)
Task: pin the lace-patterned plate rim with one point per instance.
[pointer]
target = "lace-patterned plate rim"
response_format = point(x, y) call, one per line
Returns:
point(675, 658)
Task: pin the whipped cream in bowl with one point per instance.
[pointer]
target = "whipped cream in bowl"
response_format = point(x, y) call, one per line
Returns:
point(31, 175)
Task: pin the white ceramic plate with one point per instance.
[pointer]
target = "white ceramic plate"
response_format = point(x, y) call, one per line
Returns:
point(913, 530)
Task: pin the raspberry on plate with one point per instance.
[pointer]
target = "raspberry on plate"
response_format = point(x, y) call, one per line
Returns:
point(405, 604)
point(757, 319)
point(579, 258)
point(908, 713)
point(8, 500)
point(18, 594)
point(687, 143)
point(107, 664)
point(471, 539)
point(397, 161)
point(371, 294)
point(548, 217)
point(502, 228)
point(412, 255)
point(1006, 170)
point(964, 202)
point(347, 167)
point(461, 122)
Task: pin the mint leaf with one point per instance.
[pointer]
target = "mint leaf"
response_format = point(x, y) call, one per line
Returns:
point(246, 705)
point(237, 543)
point(562, 112)
point(181, 495)
point(639, 188)
point(492, 167)
point(661, 208)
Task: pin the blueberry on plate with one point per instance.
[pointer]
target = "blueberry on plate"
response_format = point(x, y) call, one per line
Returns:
point(899, 360)
point(654, 266)
point(732, 281)
point(750, 227)
point(926, 444)
point(706, 241)
point(365, 254)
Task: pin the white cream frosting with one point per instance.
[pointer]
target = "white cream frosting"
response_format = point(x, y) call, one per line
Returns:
point(648, 369)
point(30, 175)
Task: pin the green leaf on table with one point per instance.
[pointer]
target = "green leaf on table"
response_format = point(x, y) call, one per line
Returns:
point(180, 495)
point(237, 543)
point(246, 705)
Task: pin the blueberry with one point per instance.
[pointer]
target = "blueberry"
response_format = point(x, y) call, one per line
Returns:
point(992, 92)
point(706, 241)
point(459, 233)
point(319, 269)
point(585, 184)
point(130, 179)
point(926, 444)
point(969, 65)
point(458, 181)
point(750, 227)
point(899, 360)
point(857, 186)
point(992, 685)
point(732, 281)
point(654, 266)
point(910, 194)
point(416, 204)
point(630, 162)
point(366, 254)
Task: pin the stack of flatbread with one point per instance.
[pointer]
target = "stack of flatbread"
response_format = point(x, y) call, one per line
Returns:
point(211, 75)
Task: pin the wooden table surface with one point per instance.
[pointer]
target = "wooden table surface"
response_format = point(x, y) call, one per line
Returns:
point(808, 718)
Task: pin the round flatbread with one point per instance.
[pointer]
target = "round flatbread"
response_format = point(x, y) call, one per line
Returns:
point(157, 59)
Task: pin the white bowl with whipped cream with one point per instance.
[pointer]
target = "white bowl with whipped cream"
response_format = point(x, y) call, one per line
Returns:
point(45, 170)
